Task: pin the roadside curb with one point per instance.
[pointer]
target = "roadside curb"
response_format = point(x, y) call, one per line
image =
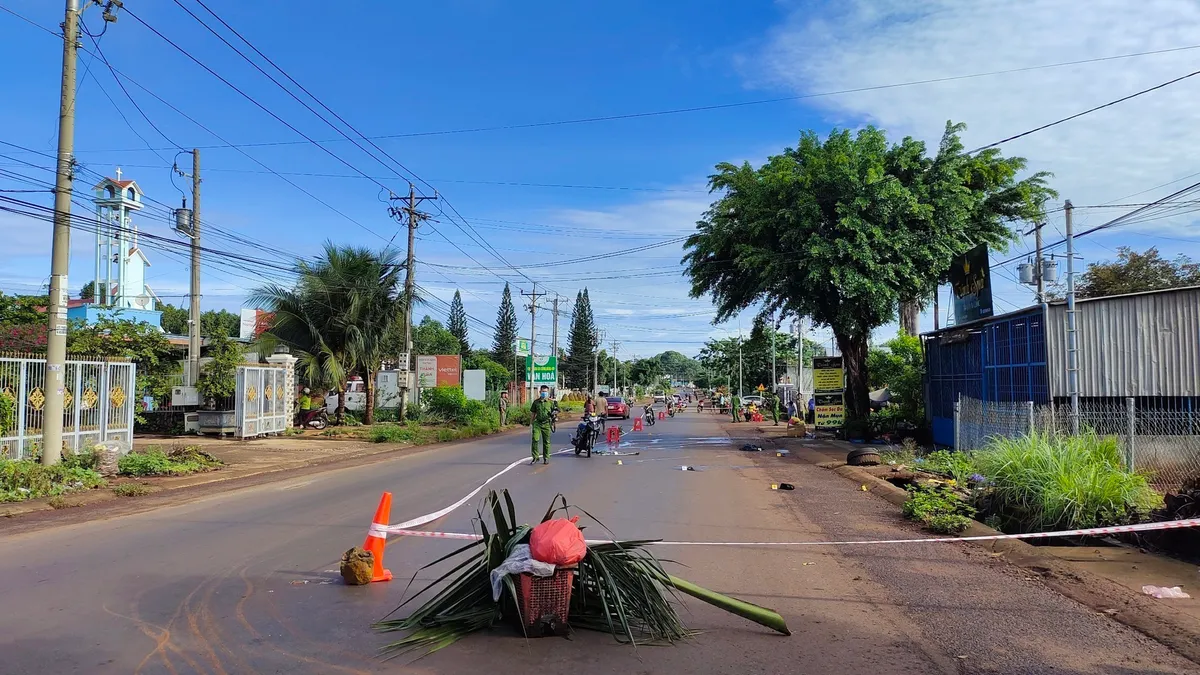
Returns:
point(100, 497)
point(1109, 598)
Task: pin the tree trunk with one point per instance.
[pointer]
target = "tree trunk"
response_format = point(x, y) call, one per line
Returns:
point(854, 360)
point(340, 413)
point(937, 296)
point(910, 317)
point(369, 389)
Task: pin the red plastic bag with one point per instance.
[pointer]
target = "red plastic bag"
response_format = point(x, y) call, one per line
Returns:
point(558, 542)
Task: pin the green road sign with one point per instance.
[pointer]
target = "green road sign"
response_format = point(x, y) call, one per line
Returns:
point(542, 369)
point(522, 346)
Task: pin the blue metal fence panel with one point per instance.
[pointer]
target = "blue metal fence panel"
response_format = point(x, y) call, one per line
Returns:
point(998, 360)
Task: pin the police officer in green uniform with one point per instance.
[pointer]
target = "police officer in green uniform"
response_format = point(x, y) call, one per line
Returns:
point(736, 408)
point(539, 423)
point(775, 408)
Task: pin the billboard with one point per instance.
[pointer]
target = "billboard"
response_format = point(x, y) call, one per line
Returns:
point(971, 281)
point(829, 411)
point(542, 370)
point(443, 370)
point(522, 347)
point(828, 374)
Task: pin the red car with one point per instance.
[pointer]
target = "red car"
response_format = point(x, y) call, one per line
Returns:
point(617, 407)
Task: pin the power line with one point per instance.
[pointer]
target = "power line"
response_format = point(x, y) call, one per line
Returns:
point(726, 106)
point(1085, 112)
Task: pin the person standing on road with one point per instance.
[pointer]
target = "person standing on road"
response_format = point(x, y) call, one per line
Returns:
point(812, 410)
point(503, 408)
point(539, 423)
point(775, 409)
point(589, 405)
point(736, 408)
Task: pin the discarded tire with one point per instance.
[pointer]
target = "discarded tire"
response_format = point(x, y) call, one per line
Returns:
point(863, 457)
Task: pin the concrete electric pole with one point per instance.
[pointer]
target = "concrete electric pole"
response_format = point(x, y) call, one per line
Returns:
point(554, 345)
point(616, 364)
point(533, 297)
point(60, 256)
point(404, 359)
point(193, 355)
point(1072, 337)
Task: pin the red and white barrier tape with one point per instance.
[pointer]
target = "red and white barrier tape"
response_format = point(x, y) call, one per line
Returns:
point(1141, 527)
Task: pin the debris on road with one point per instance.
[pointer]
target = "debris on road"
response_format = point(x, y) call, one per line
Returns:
point(1164, 593)
point(782, 486)
point(357, 566)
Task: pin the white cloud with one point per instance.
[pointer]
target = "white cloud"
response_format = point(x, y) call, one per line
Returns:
point(1098, 158)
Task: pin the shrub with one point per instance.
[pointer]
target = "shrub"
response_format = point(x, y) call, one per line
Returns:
point(218, 380)
point(393, 433)
point(131, 490)
point(1052, 482)
point(84, 459)
point(519, 414)
point(22, 479)
point(938, 508)
point(155, 462)
point(8, 413)
point(957, 465)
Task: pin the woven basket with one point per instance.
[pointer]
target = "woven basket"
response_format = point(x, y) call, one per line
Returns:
point(544, 603)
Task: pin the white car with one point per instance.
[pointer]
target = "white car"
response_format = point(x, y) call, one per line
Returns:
point(753, 398)
point(659, 398)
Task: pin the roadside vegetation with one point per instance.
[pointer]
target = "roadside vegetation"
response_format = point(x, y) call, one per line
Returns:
point(1036, 483)
point(179, 461)
point(22, 479)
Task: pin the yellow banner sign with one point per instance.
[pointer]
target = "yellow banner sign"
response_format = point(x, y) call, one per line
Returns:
point(828, 374)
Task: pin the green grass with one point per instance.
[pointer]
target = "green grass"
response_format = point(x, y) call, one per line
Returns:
point(1050, 482)
point(956, 465)
point(22, 479)
point(131, 490)
point(938, 508)
point(178, 462)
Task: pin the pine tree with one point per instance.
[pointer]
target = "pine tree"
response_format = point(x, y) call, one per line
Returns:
point(506, 330)
point(457, 323)
point(582, 343)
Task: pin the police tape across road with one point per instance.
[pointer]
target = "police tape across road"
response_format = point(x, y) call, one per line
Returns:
point(405, 529)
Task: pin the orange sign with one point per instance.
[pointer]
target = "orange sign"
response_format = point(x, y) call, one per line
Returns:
point(449, 370)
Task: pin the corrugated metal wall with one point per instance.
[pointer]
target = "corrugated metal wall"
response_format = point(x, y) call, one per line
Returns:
point(1133, 345)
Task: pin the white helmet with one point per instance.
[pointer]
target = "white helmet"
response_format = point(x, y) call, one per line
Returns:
point(306, 390)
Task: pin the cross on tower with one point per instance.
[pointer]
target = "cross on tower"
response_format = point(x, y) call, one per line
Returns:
point(118, 173)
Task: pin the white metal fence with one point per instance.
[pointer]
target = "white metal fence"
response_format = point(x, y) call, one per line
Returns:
point(98, 404)
point(261, 401)
point(1162, 442)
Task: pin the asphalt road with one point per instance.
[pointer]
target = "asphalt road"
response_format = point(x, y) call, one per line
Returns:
point(244, 582)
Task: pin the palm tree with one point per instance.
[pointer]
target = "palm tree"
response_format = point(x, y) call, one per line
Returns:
point(337, 318)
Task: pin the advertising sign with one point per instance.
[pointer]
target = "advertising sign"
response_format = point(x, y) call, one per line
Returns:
point(427, 371)
point(971, 280)
point(542, 369)
point(444, 370)
point(830, 411)
point(522, 347)
point(449, 370)
point(828, 374)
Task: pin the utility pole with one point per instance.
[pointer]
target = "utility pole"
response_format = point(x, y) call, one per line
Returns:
point(1037, 265)
point(60, 257)
point(194, 308)
point(774, 373)
point(596, 364)
point(404, 360)
point(554, 347)
point(533, 298)
point(1072, 338)
point(616, 366)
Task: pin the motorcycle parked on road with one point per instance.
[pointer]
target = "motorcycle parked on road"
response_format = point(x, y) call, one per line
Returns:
point(648, 411)
point(587, 432)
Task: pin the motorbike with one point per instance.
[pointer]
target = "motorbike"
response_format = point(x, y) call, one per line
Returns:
point(648, 411)
point(553, 420)
point(586, 434)
point(670, 411)
point(317, 418)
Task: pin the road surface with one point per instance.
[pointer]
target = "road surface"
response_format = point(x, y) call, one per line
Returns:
point(244, 582)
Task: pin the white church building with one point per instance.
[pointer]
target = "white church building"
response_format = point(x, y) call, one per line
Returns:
point(119, 285)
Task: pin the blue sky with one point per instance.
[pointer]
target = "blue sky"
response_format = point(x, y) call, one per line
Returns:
point(395, 69)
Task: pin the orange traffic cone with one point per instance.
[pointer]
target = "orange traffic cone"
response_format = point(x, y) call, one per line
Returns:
point(377, 538)
point(637, 424)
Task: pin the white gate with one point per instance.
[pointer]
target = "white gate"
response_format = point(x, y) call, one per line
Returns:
point(98, 404)
point(261, 405)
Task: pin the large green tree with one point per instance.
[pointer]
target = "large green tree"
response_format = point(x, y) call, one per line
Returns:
point(506, 329)
point(457, 324)
point(582, 342)
point(431, 337)
point(338, 317)
point(842, 230)
point(1134, 272)
point(899, 365)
